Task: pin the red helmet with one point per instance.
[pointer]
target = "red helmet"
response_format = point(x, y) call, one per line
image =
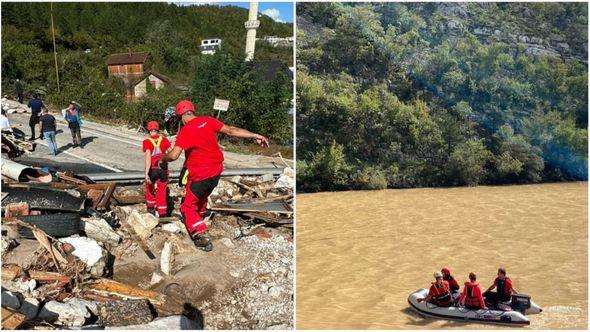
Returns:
point(184, 106)
point(152, 125)
point(445, 271)
point(472, 275)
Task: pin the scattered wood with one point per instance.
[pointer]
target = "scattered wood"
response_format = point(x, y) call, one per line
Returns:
point(11, 319)
point(107, 287)
point(49, 277)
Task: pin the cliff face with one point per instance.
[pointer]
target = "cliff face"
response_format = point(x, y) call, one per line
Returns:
point(523, 26)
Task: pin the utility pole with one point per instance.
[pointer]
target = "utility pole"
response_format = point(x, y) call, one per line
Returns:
point(54, 49)
point(251, 25)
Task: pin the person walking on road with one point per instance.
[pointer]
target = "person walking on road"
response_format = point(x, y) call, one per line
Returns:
point(156, 178)
point(204, 164)
point(18, 86)
point(72, 116)
point(36, 105)
point(48, 128)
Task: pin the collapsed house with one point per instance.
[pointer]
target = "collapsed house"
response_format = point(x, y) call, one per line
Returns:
point(79, 251)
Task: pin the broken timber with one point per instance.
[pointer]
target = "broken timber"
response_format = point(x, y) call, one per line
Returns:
point(12, 319)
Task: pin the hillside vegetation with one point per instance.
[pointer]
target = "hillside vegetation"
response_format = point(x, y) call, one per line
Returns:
point(440, 94)
point(171, 34)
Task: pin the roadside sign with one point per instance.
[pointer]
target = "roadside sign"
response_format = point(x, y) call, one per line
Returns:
point(221, 104)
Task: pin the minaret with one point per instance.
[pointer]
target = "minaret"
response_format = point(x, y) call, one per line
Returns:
point(251, 26)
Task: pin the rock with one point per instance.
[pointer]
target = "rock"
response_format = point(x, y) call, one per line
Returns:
point(267, 177)
point(172, 228)
point(275, 291)
point(164, 323)
point(90, 305)
point(166, 259)
point(264, 288)
point(30, 308)
point(101, 231)
point(124, 313)
point(142, 224)
point(286, 180)
point(156, 278)
point(227, 242)
point(89, 252)
point(10, 300)
point(524, 39)
point(68, 314)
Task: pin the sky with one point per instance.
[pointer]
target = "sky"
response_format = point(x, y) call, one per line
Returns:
point(278, 11)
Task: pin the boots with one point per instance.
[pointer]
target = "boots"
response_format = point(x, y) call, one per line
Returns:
point(202, 241)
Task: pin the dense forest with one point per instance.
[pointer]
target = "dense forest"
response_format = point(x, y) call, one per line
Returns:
point(406, 95)
point(171, 34)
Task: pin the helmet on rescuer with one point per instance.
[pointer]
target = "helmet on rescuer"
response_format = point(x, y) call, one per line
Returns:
point(184, 106)
point(152, 125)
point(445, 271)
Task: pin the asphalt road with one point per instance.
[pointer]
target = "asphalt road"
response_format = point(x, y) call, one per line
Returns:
point(107, 148)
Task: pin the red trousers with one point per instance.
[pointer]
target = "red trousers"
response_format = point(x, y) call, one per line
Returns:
point(155, 196)
point(192, 208)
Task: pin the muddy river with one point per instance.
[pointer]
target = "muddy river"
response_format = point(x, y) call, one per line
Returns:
point(360, 254)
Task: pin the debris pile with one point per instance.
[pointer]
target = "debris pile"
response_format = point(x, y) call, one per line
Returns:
point(77, 253)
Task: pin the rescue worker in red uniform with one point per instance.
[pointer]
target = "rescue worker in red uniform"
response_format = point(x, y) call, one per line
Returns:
point(452, 281)
point(504, 289)
point(440, 292)
point(204, 164)
point(471, 296)
point(156, 177)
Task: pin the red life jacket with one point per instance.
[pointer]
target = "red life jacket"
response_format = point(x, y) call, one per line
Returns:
point(157, 153)
point(471, 298)
point(502, 289)
point(442, 294)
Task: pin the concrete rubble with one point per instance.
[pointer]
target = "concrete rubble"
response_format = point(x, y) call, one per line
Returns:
point(124, 268)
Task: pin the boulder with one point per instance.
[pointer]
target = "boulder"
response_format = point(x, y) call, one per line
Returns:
point(10, 300)
point(101, 231)
point(165, 323)
point(142, 223)
point(67, 314)
point(171, 228)
point(266, 177)
point(89, 252)
point(124, 313)
point(29, 308)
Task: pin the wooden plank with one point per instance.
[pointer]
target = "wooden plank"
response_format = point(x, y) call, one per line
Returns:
point(12, 319)
point(43, 276)
point(106, 198)
point(109, 287)
point(11, 272)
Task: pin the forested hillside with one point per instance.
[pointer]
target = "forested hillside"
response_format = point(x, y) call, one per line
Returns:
point(170, 33)
point(440, 94)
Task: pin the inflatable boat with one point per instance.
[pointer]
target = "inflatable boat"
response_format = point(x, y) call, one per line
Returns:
point(520, 306)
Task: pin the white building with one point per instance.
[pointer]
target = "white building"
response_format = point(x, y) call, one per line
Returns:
point(210, 45)
point(278, 41)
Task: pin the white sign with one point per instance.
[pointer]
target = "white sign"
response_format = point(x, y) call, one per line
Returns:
point(221, 104)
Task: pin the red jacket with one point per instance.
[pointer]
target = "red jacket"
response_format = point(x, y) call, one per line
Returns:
point(472, 295)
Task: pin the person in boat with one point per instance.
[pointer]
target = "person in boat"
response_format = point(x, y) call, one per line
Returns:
point(452, 281)
point(440, 292)
point(471, 297)
point(504, 289)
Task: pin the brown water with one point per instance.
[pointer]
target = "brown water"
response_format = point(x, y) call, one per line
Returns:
point(360, 254)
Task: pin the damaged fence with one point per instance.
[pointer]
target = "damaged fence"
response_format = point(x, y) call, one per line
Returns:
point(62, 241)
